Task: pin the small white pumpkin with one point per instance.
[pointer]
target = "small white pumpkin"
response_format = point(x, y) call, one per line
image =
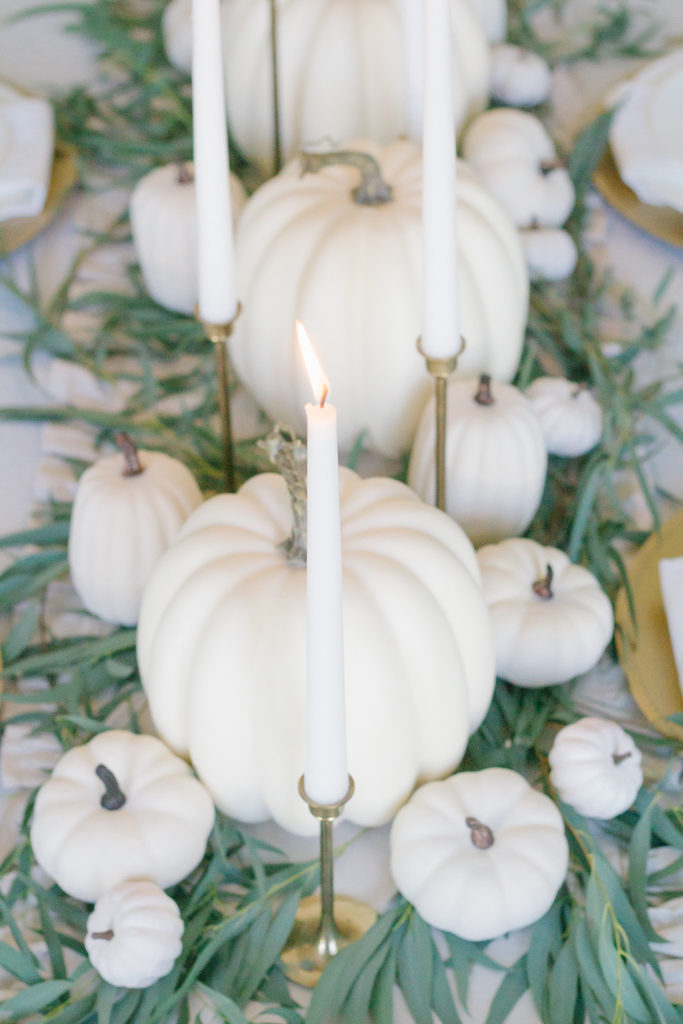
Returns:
point(517, 161)
point(346, 260)
point(121, 806)
point(492, 15)
point(551, 253)
point(176, 27)
point(595, 767)
point(569, 414)
point(222, 638)
point(551, 619)
point(519, 77)
point(134, 934)
point(479, 854)
point(128, 508)
point(163, 220)
point(495, 459)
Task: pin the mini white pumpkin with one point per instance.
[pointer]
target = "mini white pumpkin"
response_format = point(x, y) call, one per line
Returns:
point(551, 619)
point(492, 15)
point(222, 639)
point(595, 767)
point(128, 508)
point(551, 253)
point(134, 934)
point(163, 220)
point(495, 459)
point(176, 27)
point(569, 414)
point(121, 806)
point(519, 77)
point(479, 854)
point(516, 159)
point(346, 260)
point(341, 70)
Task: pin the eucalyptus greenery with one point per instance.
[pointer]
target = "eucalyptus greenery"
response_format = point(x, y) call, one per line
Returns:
point(589, 957)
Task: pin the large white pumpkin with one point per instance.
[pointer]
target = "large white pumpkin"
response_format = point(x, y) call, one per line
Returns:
point(351, 271)
point(479, 854)
point(495, 459)
point(221, 648)
point(342, 71)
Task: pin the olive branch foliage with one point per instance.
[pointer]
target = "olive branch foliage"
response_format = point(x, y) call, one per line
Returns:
point(589, 957)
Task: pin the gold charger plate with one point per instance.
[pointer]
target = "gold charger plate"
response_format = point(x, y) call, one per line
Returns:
point(645, 649)
point(661, 221)
point(19, 230)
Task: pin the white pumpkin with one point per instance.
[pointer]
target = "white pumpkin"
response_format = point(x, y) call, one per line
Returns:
point(495, 459)
point(341, 70)
point(348, 264)
point(163, 220)
point(519, 77)
point(551, 619)
point(516, 160)
point(221, 645)
point(595, 767)
point(569, 414)
point(134, 934)
point(176, 27)
point(550, 253)
point(127, 510)
point(121, 806)
point(492, 15)
point(479, 854)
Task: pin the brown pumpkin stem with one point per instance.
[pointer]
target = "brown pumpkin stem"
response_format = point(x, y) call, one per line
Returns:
point(480, 834)
point(133, 466)
point(373, 189)
point(618, 758)
point(113, 797)
point(579, 389)
point(546, 166)
point(107, 936)
point(288, 455)
point(483, 395)
point(185, 173)
point(542, 588)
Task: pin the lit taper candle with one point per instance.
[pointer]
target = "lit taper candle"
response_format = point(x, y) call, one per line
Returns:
point(326, 779)
point(440, 329)
point(217, 302)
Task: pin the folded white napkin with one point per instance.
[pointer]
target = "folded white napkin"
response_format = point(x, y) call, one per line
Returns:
point(27, 138)
point(671, 584)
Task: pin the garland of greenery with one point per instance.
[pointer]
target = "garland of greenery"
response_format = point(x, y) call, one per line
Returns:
point(590, 955)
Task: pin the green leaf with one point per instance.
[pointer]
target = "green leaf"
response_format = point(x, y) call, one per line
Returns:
point(509, 992)
point(19, 964)
point(563, 988)
point(224, 1005)
point(106, 998)
point(588, 150)
point(34, 999)
point(415, 969)
point(382, 1000)
point(22, 632)
point(442, 998)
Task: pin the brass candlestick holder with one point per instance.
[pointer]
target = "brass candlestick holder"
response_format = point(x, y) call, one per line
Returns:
point(441, 369)
point(219, 334)
point(277, 132)
point(323, 924)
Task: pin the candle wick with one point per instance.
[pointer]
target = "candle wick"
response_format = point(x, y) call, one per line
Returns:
point(323, 397)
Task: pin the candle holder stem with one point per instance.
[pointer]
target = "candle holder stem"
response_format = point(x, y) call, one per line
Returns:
point(277, 132)
point(323, 924)
point(441, 369)
point(218, 333)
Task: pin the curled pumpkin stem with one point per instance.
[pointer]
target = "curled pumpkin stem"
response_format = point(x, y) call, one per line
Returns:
point(133, 466)
point(373, 189)
point(288, 455)
point(113, 796)
point(480, 834)
point(483, 395)
point(542, 588)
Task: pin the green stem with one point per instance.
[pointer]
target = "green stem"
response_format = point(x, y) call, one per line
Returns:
point(288, 455)
point(373, 189)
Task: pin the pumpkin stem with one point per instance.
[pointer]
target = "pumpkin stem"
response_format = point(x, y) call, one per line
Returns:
point(113, 797)
point(133, 465)
point(107, 936)
point(579, 389)
point(373, 189)
point(618, 758)
point(546, 166)
point(288, 455)
point(480, 834)
point(483, 395)
point(542, 588)
point(185, 173)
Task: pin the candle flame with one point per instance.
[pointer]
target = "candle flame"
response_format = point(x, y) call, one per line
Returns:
point(319, 381)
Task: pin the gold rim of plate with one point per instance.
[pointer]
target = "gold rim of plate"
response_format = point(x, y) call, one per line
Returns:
point(644, 648)
point(662, 222)
point(16, 232)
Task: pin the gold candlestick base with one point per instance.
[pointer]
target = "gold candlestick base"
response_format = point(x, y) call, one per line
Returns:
point(218, 333)
point(441, 369)
point(323, 925)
